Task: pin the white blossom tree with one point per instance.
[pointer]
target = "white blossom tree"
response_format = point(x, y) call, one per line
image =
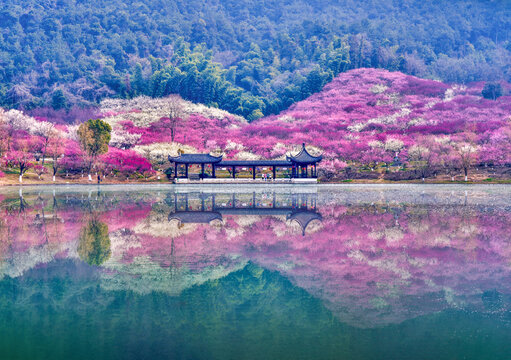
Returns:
point(467, 154)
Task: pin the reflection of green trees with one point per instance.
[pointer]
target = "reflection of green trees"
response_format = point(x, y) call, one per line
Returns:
point(94, 245)
point(249, 314)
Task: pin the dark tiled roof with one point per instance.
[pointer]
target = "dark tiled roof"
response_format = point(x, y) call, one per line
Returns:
point(303, 157)
point(195, 159)
point(249, 163)
point(195, 217)
point(254, 211)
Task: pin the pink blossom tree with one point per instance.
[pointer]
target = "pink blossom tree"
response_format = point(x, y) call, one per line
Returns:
point(423, 155)
point(74, 158)
point(467, 153)
point(20, 157)
point(466, 149)
point(125, 162)
point(56, 149)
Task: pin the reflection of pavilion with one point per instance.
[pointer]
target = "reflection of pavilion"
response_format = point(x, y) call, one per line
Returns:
point(204, 208)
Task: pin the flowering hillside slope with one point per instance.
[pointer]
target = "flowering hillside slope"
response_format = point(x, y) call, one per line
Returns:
point(368, 115)
point(364, 118)
point(368, 121)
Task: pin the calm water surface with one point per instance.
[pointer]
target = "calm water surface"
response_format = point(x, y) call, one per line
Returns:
point(353, 272)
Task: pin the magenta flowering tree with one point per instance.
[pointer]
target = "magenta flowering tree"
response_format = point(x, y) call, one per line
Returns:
point(20, 156)
point(4, 137)
point(495, 148)
point(74, 159)
point(21, 160)
point(40, 170)
point(35, 145)
point(126, 163)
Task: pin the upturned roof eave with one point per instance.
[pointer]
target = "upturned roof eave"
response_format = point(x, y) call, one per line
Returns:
point(304, 157)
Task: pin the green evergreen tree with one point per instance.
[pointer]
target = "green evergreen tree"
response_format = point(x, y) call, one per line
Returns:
point(58, 100)
point(492, 90)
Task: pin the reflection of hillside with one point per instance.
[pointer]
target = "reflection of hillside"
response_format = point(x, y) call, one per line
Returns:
point(259, 311)
point(370, 258)
point(157, 224)
point(144, 276)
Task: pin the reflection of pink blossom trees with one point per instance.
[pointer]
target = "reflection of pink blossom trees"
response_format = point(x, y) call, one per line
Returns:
point(366, 261)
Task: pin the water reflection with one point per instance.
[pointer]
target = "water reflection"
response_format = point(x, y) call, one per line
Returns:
point(209, 207)
point(316, 260)
point(94, 242)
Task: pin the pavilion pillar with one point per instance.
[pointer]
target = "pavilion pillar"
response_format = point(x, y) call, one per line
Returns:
point(175, 170)
point(186, 170)
point(253, 172)
point(274, 172)
point(234, 172)
point(202, 171)
point(214, 168)
point(306, 172)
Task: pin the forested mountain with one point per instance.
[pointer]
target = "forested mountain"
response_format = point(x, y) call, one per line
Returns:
point(248, 57)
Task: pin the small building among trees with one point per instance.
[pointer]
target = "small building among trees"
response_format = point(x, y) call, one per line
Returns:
point(300, 166)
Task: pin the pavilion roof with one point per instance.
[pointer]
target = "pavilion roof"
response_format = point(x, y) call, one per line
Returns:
point(249, 163)
point(304, 218)
point(195, 159)
point(195, 217)
point(303, 157)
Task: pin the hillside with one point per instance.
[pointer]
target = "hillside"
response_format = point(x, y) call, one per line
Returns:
point(364, 121)
point(246, 57)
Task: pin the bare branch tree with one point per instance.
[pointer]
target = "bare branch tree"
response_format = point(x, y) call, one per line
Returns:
point(176, 113)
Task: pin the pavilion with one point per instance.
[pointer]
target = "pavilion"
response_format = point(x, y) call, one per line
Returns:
point(301, 165)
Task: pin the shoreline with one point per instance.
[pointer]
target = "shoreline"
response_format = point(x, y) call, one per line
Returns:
point(270, 183)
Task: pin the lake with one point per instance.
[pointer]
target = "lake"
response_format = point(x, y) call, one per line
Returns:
point(259, 272)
